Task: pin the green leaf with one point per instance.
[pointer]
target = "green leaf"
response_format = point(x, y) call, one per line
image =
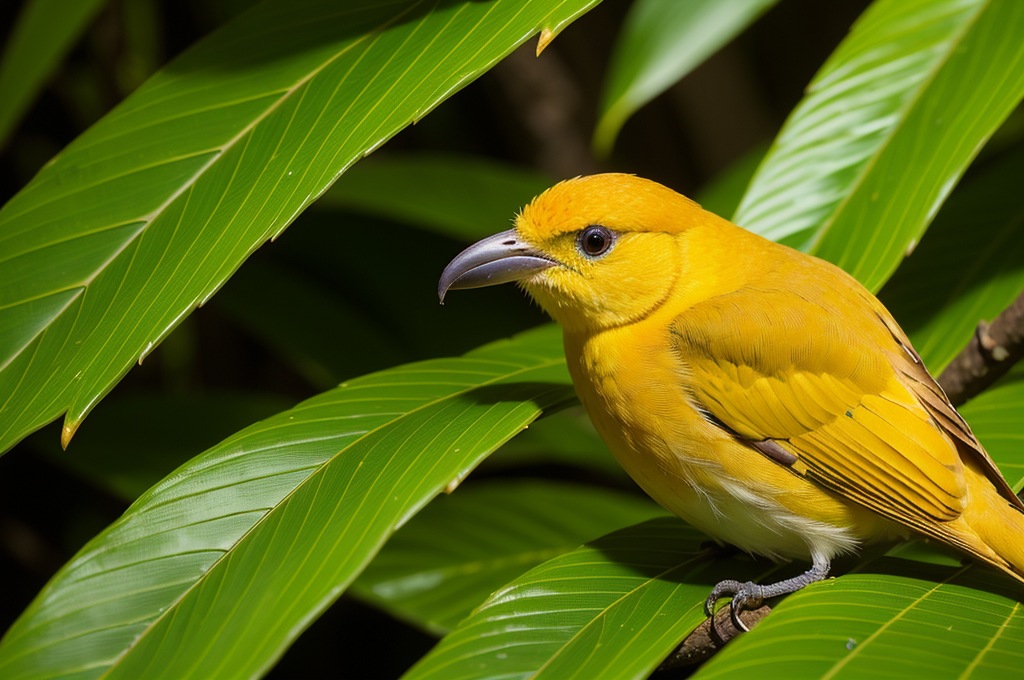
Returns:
point(216, 569)
point(969, 268)
point(463, 547)
point(904, 619)
point(887, 128)
point(154, 207)
point(136, 440)
point(464, 197)
point(611, 609)
point(660, 42)
point(44, 33)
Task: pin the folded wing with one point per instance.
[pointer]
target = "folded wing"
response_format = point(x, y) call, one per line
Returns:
point(831, 379)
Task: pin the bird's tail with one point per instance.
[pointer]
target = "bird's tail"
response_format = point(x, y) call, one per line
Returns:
point(995, 528)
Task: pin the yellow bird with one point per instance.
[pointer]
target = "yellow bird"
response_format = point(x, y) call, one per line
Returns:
point(761, 394)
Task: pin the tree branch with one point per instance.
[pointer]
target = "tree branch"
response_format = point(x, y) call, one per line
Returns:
point(705, 641)
point(993, 351)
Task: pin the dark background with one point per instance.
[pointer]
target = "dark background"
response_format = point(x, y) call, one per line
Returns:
point(534, 112)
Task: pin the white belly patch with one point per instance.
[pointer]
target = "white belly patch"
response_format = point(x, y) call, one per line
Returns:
point(752, 522)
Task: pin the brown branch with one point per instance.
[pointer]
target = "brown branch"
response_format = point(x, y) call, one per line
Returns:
point(705, 641)
point(993, 351)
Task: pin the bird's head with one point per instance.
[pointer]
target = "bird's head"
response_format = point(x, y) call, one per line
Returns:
point(594, 252)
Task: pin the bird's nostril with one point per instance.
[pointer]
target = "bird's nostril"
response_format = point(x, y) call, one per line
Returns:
point(510, 242)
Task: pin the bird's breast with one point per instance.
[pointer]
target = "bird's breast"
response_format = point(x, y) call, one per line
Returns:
point(634, 389)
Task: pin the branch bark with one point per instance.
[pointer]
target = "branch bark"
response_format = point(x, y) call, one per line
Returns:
point(706, 640)
point(990, 354)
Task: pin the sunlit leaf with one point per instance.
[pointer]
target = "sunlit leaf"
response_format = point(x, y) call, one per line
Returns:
point(968, 268)
point(144, 216)
point(464, 197)
point(215, 570)
point(44, 33)
point(463, 547)
point(660, 42)
point(611, 609)
point(887, 128)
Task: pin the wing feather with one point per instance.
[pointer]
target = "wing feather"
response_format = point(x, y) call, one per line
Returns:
point(934, 399)
point(847, 396)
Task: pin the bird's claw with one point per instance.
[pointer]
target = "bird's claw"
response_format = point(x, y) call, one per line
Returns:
point(747, 595)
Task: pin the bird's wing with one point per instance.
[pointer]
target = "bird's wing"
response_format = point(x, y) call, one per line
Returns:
point(829, 386)
point(916, 377)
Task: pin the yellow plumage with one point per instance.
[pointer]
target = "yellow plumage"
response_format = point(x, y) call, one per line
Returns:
point(761, 394)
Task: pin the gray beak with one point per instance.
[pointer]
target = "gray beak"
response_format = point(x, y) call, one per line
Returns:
point(496, 259)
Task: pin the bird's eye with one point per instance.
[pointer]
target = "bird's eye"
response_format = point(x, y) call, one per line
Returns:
point(595, 241)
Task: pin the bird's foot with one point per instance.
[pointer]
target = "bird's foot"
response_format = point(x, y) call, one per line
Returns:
point(747, 595)
point(750, 595)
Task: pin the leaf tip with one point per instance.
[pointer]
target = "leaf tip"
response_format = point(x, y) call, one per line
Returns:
point(546, 36)
point(70, 427)
point(607, 130)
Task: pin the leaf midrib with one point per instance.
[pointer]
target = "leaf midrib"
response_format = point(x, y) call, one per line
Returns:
point(988, 646)
point(173, 607)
